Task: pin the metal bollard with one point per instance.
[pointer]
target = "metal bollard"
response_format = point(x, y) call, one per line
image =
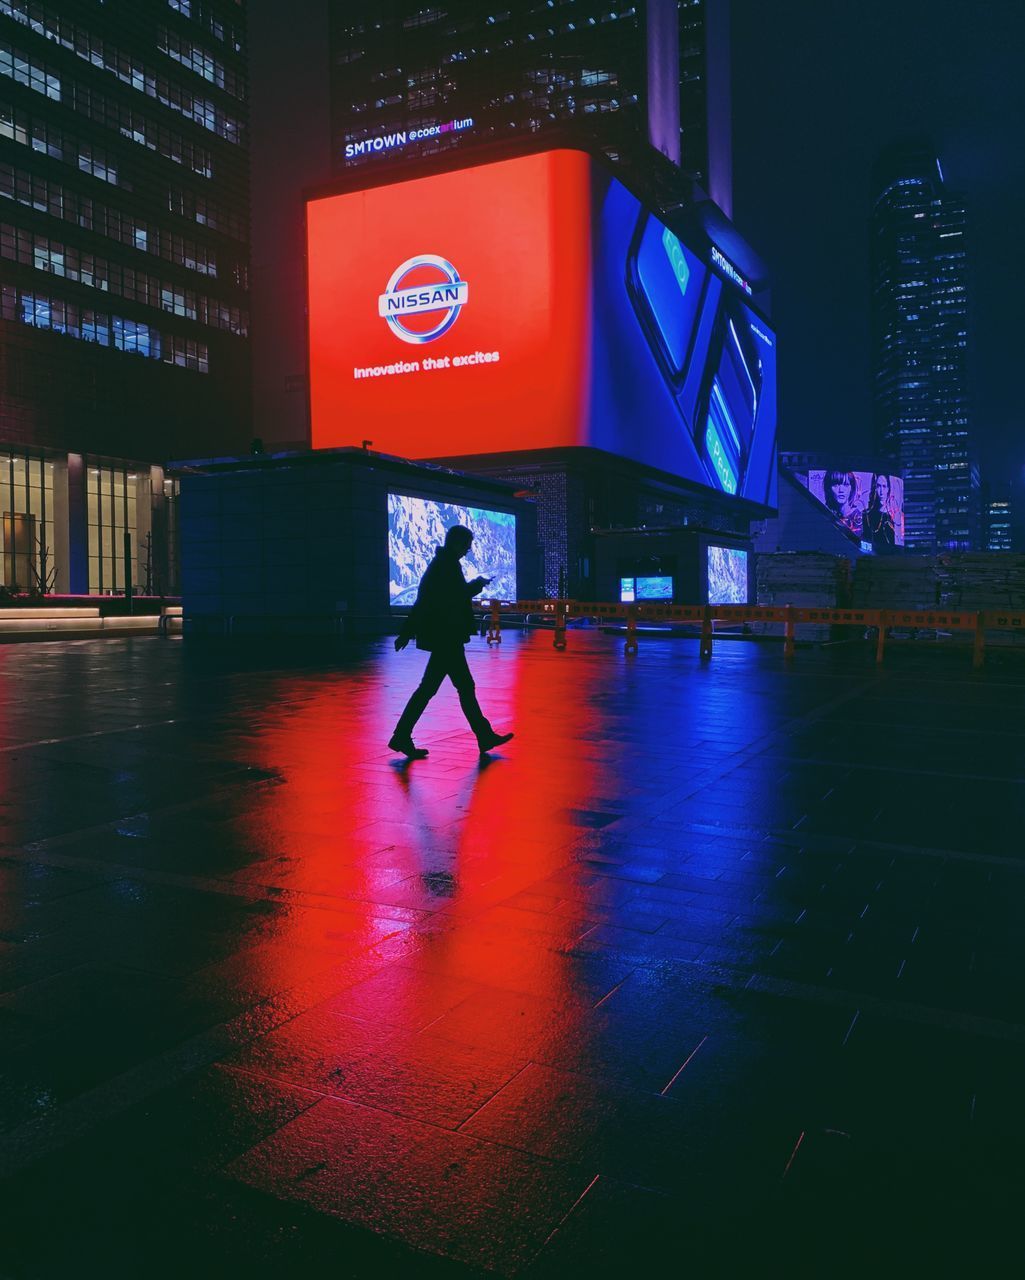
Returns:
point(631, 630)
point(705, 651)
point(881, 639)
point(494, 624)
point(559, 639)
point(979, 643)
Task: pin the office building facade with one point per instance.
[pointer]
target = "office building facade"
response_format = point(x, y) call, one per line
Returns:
point(920, 321)
point(124, 260)
point(999, 527)
point(419, 79)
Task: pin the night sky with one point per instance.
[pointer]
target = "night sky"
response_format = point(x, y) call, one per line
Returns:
point(818, 88)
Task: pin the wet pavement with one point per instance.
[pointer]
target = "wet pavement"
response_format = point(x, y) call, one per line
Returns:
point(714, 967)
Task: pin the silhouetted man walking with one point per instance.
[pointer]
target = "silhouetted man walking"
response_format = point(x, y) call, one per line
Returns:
point(442, 622)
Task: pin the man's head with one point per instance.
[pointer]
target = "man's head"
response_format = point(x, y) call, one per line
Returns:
point(458, 540)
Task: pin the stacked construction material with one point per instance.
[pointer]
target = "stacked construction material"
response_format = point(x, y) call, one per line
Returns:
point(990, 580)
point(954, 580)
point(895, 582)
point(809, 579)
point(981, 580)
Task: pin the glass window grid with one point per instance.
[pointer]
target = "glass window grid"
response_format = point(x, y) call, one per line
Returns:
point(26, 489)
point(208, 213)
point(41, 311)
point(59, 201)
point(19, 245)
point(112, 509)
point(210, 21)
point(45, 20)
point(36, 133)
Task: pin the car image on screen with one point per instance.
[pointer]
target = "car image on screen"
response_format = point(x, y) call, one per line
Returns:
point(417, 527)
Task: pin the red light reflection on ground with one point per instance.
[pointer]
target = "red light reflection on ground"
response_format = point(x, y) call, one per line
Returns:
point(414, 861)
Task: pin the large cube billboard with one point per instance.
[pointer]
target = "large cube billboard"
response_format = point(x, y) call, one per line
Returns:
point(527, 304)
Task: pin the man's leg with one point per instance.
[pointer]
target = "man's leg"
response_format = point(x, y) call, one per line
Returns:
point(460, 675)
point(430, 683)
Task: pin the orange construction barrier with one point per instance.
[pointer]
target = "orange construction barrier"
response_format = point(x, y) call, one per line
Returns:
point(883, 621)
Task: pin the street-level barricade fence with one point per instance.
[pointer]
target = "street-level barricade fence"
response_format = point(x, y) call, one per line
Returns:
point(882, 621)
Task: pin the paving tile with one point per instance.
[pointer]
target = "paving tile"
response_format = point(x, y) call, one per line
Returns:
point(630, 1134)
point(588, 1008)
point(426, 1187)
point(317, 1049)
point(428, 1077)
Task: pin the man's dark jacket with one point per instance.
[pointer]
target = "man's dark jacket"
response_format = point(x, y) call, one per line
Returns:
point(442, 616)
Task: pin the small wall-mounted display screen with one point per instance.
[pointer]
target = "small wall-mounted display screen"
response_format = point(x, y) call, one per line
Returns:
point(627, 591)
point(417, 527)
point(727, 575)
point(657, 588)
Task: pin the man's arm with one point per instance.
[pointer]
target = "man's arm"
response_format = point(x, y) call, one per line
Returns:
point(407, 631)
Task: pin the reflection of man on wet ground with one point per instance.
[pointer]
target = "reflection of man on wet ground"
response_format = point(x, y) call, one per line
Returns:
point(442, 622)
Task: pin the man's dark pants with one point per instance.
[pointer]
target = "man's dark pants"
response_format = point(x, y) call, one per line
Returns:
point(447, 660)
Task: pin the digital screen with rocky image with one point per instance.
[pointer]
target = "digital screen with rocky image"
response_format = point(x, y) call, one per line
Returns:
point(417, 527)
point(727, 575)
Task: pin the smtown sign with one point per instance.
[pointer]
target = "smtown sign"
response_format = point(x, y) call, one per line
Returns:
point(440, 298)
point(533, 303)
point(403, 137)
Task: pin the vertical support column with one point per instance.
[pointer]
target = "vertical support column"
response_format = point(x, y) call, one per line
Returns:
point(631, 629)
point(979, 642)
point(78, 526)
point(881, 640)
point(154, 581)
point(61, 551)
point(788, 632)
point(706, 634)
point(494, 624)
point(129, 593)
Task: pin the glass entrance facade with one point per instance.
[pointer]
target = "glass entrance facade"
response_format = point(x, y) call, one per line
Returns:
point(30, 559)
point(114, 510)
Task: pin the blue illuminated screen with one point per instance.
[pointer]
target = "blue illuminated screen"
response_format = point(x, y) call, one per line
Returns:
point(685, 349)
point(727, 575)
point(417, 527)
point(627, 591)
point(657, 588)
point(671, 279)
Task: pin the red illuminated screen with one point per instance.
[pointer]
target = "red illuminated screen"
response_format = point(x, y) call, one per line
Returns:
point(451, 314)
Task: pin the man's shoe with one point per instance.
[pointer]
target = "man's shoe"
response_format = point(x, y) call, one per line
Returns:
point(404, 746)
point(492, 740)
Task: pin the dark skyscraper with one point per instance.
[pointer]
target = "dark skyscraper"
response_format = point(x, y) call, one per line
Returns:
point(920, 310)
point(124, 262)
point(999, 527)
point(430, 77)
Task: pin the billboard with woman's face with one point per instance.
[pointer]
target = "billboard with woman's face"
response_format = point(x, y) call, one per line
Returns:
point(868, 504)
